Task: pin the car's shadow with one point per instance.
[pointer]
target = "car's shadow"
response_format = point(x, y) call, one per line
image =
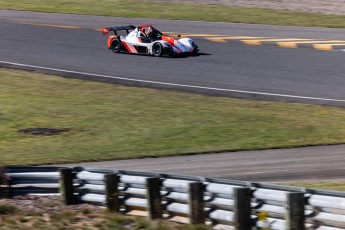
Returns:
point(165, 56)
point(188, 55)
point(200, 54)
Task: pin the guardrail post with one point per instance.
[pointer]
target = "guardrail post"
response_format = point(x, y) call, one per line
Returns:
point(295, 211)
point(111, 192)
point(66, 186)
point(196, 203)
point(153, 196)
point(5, 187)
point(242, 209)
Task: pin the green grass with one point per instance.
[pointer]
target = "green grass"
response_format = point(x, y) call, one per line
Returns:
point(115, 122)
point(7, 209)
point(147, 9)
point(325, 185)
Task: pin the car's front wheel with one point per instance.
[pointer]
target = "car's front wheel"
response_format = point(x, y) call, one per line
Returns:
point(195, 49)
point(157, 49)
point(116, 45)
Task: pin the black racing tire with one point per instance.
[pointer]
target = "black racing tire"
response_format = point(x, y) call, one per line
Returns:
point(169, 52)
point(195, 49)
point(157, 49)
point(116, 45)
point(195, 52)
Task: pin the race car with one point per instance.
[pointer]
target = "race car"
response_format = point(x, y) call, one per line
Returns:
point(145, 39)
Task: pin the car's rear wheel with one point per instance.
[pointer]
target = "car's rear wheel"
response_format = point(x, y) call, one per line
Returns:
point(116, 45)
point(157, 49)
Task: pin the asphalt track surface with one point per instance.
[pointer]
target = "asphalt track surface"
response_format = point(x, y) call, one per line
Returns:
point(254, 72)
point(236, 70)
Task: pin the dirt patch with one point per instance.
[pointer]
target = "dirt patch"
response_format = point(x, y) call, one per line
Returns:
point(45, 204)
point(48, 212)
point(43, 131)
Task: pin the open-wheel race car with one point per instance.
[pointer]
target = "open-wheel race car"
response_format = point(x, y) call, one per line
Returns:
point(145, 39)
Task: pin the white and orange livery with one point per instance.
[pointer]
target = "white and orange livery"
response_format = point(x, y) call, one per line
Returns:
point(145, 39)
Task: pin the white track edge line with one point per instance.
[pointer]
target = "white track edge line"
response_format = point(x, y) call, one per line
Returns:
point(175, 84)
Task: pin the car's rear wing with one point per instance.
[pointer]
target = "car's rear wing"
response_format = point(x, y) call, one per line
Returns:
point(117, 28)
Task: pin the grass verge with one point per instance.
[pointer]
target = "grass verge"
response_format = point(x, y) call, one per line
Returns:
point(107, 121)
point(165, 10)
point(325, 185)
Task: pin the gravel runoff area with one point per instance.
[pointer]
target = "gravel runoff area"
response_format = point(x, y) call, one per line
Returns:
point(314, 6)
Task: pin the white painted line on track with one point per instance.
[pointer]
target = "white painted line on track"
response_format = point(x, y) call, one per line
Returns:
point(174, 84)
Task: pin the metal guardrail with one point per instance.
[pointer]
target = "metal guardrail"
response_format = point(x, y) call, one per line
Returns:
point(32, 180)
point(219, 202)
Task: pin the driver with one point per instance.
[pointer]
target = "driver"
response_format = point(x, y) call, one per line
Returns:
point(142, 30)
